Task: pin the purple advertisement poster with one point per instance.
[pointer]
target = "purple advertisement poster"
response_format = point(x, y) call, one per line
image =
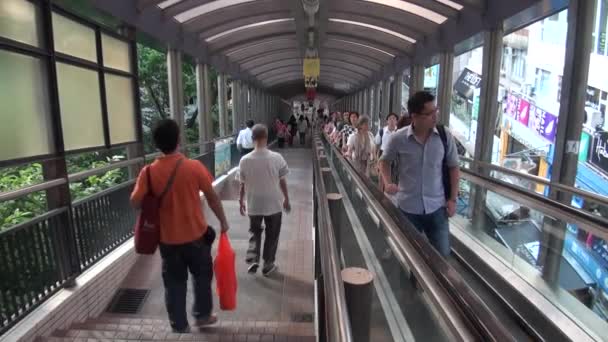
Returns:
point(543, 123)
point(523, 112)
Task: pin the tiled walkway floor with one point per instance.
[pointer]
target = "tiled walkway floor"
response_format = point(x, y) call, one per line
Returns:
point(286, 299)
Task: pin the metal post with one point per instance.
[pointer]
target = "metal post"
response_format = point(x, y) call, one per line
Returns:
point(417, 78)
point(377, 100)
point(386, 99)
point(358, 294)
point(488, 105)
point(444, 95)
point(572, 112)
point(221, 103)
point(203, 98)
point(176, 90)
point(397, 93)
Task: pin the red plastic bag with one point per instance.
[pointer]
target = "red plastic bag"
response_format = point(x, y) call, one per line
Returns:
point(225, 274)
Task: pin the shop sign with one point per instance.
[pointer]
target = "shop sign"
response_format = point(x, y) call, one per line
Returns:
point(591, 265)
point(543, 123)
point(512, 105)
point(523, 112)
point(599, 150)
point(467, 82)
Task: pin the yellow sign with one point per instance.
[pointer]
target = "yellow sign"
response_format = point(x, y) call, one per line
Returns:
point(312, 67)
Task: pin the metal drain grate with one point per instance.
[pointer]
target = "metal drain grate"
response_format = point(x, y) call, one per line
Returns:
point(302, 317)
point(128, 301)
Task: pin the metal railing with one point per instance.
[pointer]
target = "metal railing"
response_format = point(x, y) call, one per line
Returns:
point(334, 319)
point(46, 253)
point(463, 312)
point(535, 179)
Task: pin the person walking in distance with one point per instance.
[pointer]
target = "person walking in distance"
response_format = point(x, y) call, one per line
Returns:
point(303, 126)
point(262, 174)
point(243, 141)
point(185, 237)
point(428, 171)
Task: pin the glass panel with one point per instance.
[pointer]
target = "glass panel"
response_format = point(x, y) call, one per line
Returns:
point(24, 107)
point(362, 45)
point(374, 27)
point(530, 89)
point(412, 8)
point(19, 20)
point(73, 38)
point(121, 109)
point(514, 233)
point(431, 79)
point(464, 109)
point(80, 105)
point(116, 53)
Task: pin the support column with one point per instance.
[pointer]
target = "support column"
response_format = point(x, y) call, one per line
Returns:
point(221, 104)
point(417, 78)
point(176, 90)
point(236, 106)
point(203, 101)
point(571, 117)
point(397, 96)
point(377, 100)
point(444, 95)
point(488, 109)
point(365, 110)
point(386, 99)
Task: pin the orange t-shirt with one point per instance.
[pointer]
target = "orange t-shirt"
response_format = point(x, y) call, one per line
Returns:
point(181, 212)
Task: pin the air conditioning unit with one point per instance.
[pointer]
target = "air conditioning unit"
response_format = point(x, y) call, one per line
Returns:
point(593, 118)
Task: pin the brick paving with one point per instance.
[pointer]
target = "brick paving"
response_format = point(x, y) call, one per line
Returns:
point(277, 308)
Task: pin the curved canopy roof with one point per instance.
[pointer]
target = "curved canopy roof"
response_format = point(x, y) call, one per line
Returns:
point(359, 41)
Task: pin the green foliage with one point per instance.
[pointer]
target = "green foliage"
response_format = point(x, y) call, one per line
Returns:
point(24, 208)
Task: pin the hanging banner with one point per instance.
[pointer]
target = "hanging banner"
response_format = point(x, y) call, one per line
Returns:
point(312, 67)
point(523, 111)
point(543, 123)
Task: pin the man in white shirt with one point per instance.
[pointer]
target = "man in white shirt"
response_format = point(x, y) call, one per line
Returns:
point(384, 133)
point(262, 174)
point(382, 138)
point(244, 142)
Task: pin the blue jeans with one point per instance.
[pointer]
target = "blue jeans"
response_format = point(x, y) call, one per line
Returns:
point(435, 226)
point(177, 260)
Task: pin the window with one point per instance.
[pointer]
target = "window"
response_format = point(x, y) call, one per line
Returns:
point(24, 107)
point(518, 63)
point(542, 82)
point(19, 21)
point(74, 39)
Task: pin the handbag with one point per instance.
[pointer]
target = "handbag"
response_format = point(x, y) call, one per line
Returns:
point(147, 226)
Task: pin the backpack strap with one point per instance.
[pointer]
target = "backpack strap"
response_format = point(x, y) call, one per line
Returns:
point(171, 179)
point(444, 163)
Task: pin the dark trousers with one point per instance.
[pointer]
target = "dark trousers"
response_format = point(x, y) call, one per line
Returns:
point(271, 240)
point(302, 138)
point(436, 227)
point(244, 151)
point(281, 142)
point(177, 260)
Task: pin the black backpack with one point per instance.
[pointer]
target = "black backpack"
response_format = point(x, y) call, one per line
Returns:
point(445, 171)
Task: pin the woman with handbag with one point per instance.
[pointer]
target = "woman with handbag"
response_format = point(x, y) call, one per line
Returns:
point(360, 146)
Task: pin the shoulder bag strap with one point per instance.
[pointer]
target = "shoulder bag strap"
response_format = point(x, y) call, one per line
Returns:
point(148, 177)
point(171, 179)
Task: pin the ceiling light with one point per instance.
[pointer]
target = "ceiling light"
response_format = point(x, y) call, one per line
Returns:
point(207, 8)
point(245, 27)
point(412, 8)
point(363, 45)
point(374, 27)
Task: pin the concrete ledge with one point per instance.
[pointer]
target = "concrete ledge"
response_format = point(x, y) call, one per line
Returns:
point(89, 298)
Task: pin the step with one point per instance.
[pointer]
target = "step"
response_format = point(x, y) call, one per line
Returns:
point(150, 325)
point(185, 337)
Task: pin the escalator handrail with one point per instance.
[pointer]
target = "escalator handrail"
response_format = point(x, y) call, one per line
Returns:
point(459, 303)
point(338, 322)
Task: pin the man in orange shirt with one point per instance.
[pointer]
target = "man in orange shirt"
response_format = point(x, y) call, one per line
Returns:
point(185, 238)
